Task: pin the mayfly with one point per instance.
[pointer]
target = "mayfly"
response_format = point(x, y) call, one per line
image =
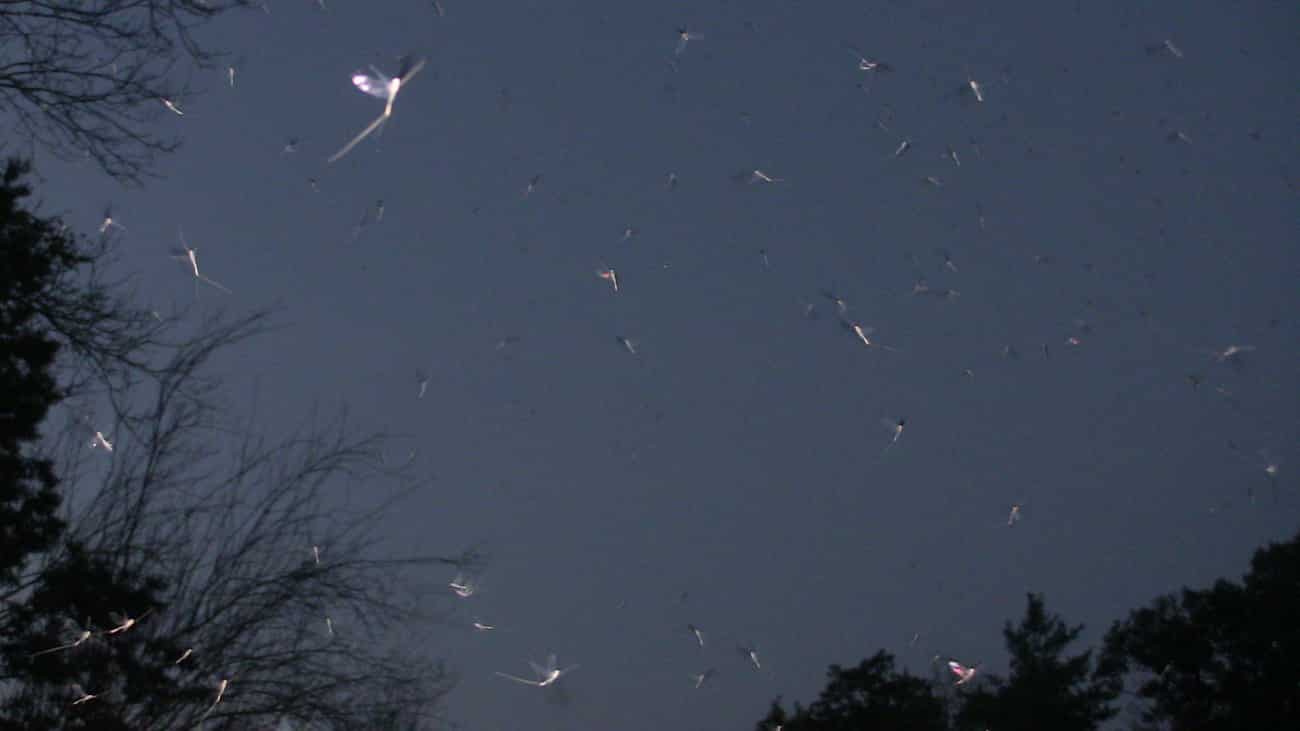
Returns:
point(947, 260)
point(188, 254)
point(964, 674)
point(83, 635)
point(1165, 46)
point(610, 276)
point(99, 441)
point(701, 678)
point(841, 304)
point(232, 69)
point(1262, 460)
point(923, 288)
point(221, 693)
point(1232, 354)
point(683, 37)
point(867, 64)
point(125, 623)
point(1014, 515)
point(756, 176)
point(172, 106)
point(423, 379)
point(751, 653)
point(381, 87)
point(108, 221)
point(628, 344)
point(864, 334)
point(975, 87)
point(82, 695)
point(463, 586)
point(533, 183)
point(895, 426)
point(545, 675)
point(699, 634)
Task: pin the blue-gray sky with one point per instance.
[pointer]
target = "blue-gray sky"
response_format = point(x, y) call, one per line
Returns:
point(731, 474)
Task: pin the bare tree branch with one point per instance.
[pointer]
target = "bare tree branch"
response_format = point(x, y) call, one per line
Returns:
point(249, 567)
point(86, 78)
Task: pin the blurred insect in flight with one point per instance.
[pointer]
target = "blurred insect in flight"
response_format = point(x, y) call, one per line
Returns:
point(684, 37)
point(82, 695)
point(100, 441)
point(545, 675)
point(1165, 47)
point(755, 176)
point(463, 586)
point(895, 426)
point(964, 674)
point(82, 636)
point(610, 276)
point(190, 255)
point(125, 623)
point(381, 87)
point(864, 334)
point(699, 634)
point(108, 221)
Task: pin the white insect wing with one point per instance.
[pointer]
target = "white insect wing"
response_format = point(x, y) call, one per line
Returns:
point(376, 86)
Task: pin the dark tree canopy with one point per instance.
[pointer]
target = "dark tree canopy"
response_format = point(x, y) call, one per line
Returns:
point(1219, 658)
point(1045, 684)
point(40, 311)
point(86, 78)
point(34, 255)
point(872, 695)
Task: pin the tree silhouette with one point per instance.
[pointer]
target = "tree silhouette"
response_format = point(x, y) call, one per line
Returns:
point(1222, 658)
point(40, 260)
point(35, 255)
point(249, 582)
point(870, 696)
point(1044, 683)
point(84, 79)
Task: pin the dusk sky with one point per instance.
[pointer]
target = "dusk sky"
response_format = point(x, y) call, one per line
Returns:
point(732, 473)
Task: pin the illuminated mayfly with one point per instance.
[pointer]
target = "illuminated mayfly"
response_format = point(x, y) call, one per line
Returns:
point(545, 675)
point(895, 427)
point(382, 87)
point(964, 673)
point(464, 586)
point(189, 255)
point(75, 637)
